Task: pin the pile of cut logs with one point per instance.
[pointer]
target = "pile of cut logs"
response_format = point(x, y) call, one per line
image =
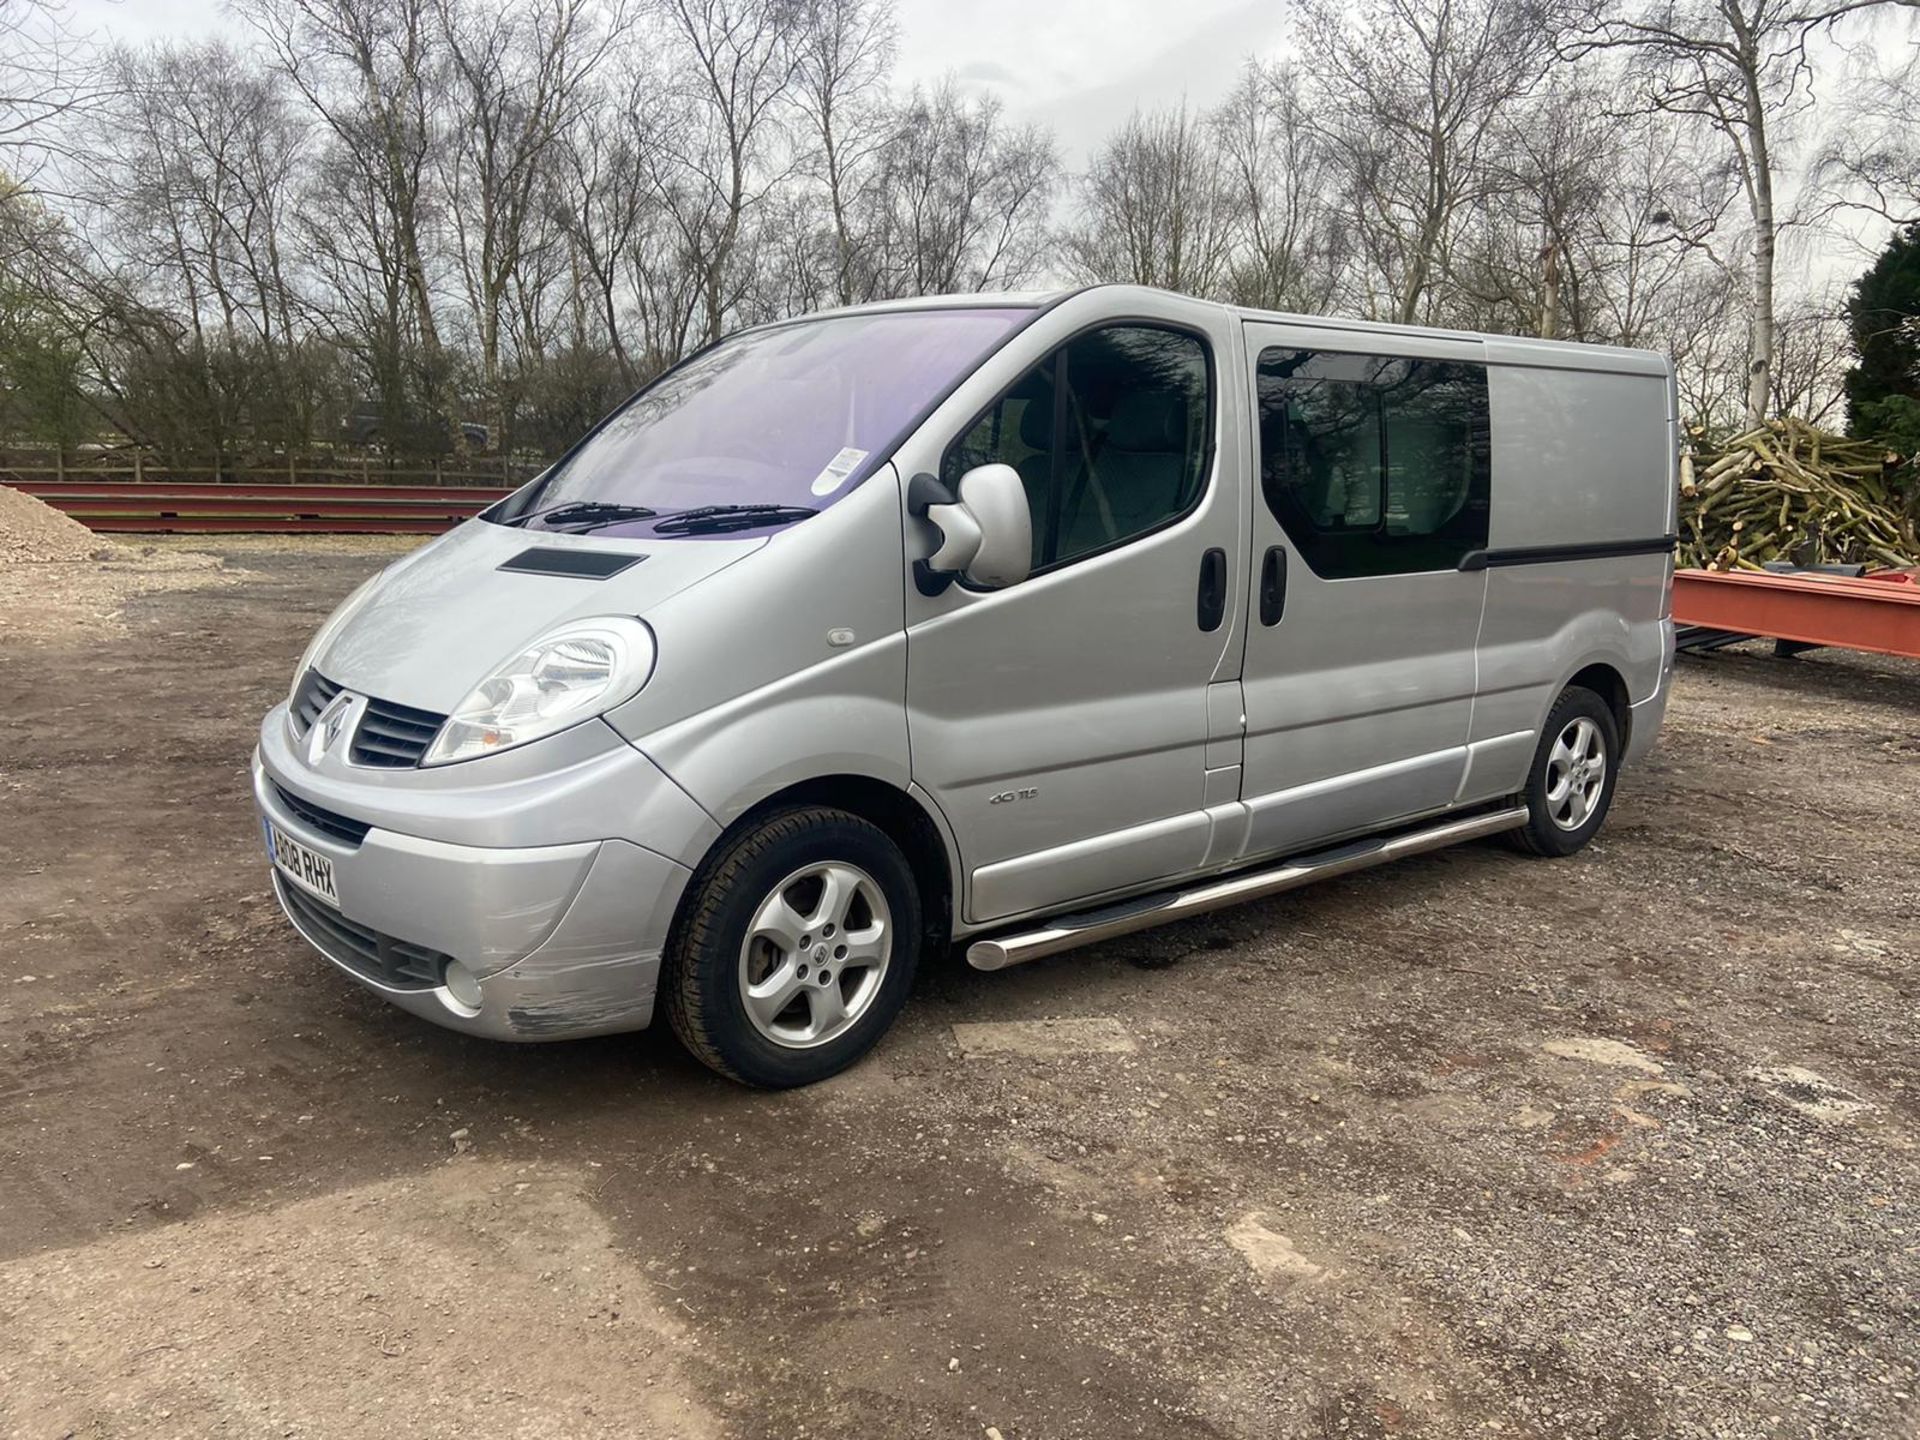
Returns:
point(1787, 491)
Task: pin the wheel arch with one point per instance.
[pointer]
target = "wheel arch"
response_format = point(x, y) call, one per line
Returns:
point(906, 819)
point(1605, 680)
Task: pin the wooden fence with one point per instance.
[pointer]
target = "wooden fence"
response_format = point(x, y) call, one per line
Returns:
point(362, 469)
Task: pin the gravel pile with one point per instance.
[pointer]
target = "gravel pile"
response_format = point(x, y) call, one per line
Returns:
point(31, 530)
point(59, 580)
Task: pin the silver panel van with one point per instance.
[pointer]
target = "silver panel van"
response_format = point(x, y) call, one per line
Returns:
point(1015, 620)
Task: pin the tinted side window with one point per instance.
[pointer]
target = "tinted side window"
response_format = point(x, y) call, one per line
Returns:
point(1375, 465)
point(1112, 435)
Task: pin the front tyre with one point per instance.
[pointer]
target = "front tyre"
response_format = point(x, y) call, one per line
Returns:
point(1570, 787)
point(796, 948)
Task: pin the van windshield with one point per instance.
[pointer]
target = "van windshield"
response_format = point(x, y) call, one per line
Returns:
point(763, 429)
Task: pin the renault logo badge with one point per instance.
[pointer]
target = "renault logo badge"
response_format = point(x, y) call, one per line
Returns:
point(331, 724)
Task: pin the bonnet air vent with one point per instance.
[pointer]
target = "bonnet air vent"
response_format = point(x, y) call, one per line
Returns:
point(575, 564)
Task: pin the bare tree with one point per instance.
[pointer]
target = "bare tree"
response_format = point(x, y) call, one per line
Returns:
point(1277, 179)
point(741, 59)
point(47, 75)
point(1701, 327)
point(1872, 160)
point(601, 201)
point(846, 49)
point(1155, 208)
point(1811, 358)
point(519, 208)
point(1740, 68)
point(967, 196)
point(1588, 216)
point(369, 70)
point(517, 78)
point(209, 154)
point(1410, 97)
point(1657, 220)
point(1563, 161)
point(668, 281)
point(187, 192)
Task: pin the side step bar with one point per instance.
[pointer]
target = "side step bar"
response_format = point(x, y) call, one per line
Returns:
point(1069, 932)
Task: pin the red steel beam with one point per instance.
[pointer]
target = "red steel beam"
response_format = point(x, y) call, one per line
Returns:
point(1853, 614)
point(139, 508)
point(203, 525)
point(85, 510)
point(55, 490)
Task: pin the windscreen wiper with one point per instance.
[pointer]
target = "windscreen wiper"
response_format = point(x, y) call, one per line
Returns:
point(588, 514)
point(714, 519)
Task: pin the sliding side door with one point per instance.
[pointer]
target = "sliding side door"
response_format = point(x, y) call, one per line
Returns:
point(1374, 484)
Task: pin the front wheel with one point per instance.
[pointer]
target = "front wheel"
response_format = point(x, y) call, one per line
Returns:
point(796, 949)
point(1570, 787)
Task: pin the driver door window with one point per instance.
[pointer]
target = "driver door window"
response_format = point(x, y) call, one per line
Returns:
point(1112, 436)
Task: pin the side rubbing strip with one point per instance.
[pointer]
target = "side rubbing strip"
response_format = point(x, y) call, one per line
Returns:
point(1550, 554)
point(575, 564)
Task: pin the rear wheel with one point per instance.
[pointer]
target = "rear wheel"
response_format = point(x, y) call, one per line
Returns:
point(1570, 787)
point(796, 950)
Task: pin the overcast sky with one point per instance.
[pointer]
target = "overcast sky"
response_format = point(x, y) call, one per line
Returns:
point(1081, 66)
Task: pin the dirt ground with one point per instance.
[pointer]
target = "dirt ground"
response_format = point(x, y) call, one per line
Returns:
point(1619, 1146)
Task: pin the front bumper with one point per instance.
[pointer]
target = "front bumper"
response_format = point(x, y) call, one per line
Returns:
point(565, 939)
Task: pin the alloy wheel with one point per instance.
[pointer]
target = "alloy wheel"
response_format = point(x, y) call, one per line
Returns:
point(815, 954)
point(1576, 773)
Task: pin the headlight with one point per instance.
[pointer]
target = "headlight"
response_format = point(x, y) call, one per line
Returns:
point(328, 628)
point(566, 676)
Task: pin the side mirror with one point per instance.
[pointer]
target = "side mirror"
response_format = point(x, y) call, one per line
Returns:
point(985, 531)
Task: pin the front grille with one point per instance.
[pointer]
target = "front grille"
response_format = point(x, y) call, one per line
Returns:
point(397, 964)
point(318, 817)
point(394, 736)
point(311, 698)
point(390, 736)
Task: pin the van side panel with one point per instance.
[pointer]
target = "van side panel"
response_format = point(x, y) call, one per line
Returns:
point(1579, 457)
point(795, 668)
point(1544, 623)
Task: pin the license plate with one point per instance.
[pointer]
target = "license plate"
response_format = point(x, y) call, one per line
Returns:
point(310, 870)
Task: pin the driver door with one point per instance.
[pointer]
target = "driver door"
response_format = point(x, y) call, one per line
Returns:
point(1062, 725)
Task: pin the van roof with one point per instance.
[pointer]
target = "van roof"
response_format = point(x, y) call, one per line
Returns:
point(1500, 349)
point(971, 300)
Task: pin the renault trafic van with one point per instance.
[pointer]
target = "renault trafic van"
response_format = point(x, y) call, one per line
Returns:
point(1018, 620)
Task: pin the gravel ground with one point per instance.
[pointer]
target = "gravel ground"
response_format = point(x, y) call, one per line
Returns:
point(60, 582)
point(1618, 1146)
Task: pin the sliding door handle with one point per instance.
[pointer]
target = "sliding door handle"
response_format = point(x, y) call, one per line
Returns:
point(1212, 608)
point(1273, 586)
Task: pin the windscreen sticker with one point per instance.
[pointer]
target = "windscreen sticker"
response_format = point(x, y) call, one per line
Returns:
point(837, 471)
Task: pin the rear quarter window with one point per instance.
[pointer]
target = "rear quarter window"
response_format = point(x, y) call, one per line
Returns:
point(1375, 464)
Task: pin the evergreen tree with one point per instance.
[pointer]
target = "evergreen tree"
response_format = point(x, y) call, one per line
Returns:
point(1883, 313)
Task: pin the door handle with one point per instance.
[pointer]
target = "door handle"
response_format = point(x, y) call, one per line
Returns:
point(1273, 586)
point(1213, 588)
